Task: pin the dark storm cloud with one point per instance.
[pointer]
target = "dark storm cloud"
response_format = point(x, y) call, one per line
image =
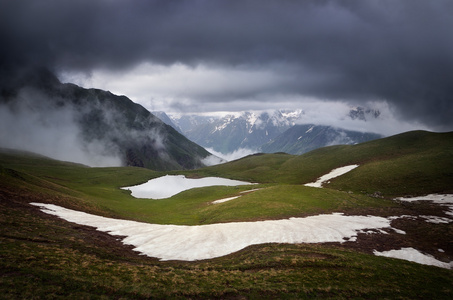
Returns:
point(398, 51)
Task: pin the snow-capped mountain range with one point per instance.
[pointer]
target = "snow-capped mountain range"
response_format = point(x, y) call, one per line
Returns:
point(266, 131)
point(237, 130)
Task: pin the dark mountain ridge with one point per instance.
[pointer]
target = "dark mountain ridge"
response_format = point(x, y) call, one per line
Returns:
point(102, 123)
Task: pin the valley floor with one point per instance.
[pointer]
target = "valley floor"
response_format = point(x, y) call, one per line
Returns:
point(347, 229)
point(47, 257)
point(172, 242)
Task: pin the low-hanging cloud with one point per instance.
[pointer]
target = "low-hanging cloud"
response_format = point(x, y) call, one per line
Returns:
point(396, 51)
point(337, 114)
point(36, 125)
point(230, 156)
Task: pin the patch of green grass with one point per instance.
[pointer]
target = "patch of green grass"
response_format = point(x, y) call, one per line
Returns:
point(96, 190)
point(417, 162)
point(262, 168)
point(284, 201)
point(411, 163)
point(417, 173)
point(46, 257)
point(42, 256)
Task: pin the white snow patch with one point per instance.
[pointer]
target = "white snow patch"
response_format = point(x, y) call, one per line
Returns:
point(253, 118)
point(249, 191)
point(402, 216)
point(414, 255)
point(225, 200)
point(436, 198)
point(436, 219)
point(429, 219)
point(292, 114)
point(170, 185)
point(399, 231)
point(441, 199)
point(177, 242)
point(334, 173)
point(232, 198)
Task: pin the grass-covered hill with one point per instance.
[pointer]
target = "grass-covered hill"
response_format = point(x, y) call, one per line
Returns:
point(43, 256)
point(411, 163)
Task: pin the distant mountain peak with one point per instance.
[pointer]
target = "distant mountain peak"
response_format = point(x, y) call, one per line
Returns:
point(363, 114)
point(254, 129)
point(233, 131)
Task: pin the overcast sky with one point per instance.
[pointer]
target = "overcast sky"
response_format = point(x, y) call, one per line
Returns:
point(182, 56)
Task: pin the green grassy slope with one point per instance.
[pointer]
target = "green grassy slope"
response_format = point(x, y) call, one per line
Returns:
point(68, 184)
point(43, 256)
point(417, 162)
point(410, 163)
point(98, 190)
point(46, 257)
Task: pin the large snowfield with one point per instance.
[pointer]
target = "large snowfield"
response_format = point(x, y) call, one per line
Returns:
point(178, 242)
point(170, 185)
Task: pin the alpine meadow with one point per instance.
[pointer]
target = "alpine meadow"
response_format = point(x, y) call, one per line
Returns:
point(46, 256)
point(226, 149)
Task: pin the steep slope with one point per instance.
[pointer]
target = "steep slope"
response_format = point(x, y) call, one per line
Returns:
point(166, 119)
point(300, 139)
point(90, 126)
